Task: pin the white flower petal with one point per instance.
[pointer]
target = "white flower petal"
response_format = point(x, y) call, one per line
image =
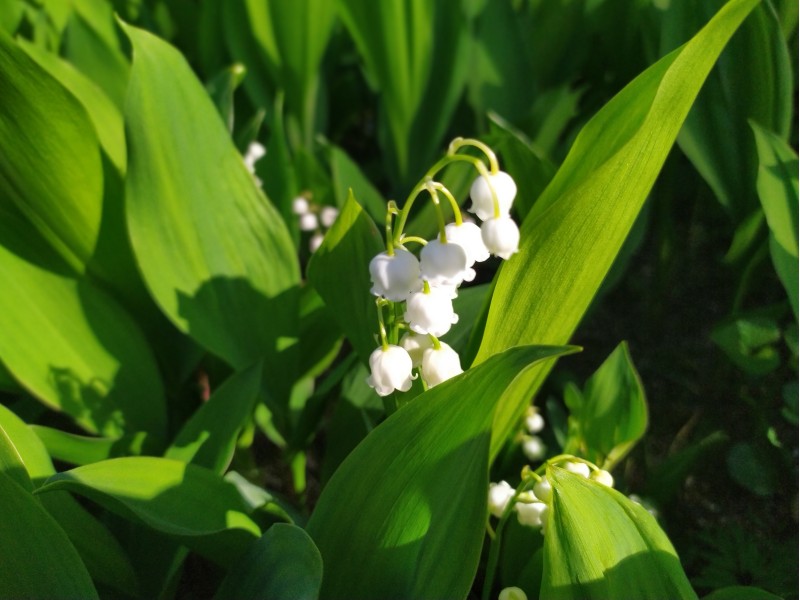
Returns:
point(308, 222)
point(444, 264)
point(468, 236)
point(499, 496)
point(390, 370)
point(440, 365)
point(530, 514)
point(501, 236)
point(396, 276)
point(430, 312)
point(328, 216)
point(416, 344)
point(481, 194)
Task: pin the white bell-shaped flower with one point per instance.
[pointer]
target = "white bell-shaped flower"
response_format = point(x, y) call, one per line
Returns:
point(308, 222)
point(444, 264)
point(501, 236)
point(390, 370)
point(468, 236)
point(534, 422)
point(416, 344)
point(530, 514)
point(481, 194)
point(328, 215)
point(315, 242)
point(500, 495)
point(440, 364)
point(430, 312)
point(395, 276)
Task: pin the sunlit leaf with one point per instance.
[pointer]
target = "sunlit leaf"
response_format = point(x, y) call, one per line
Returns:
point(600, 544)
point(576, 228)
point(416, 488)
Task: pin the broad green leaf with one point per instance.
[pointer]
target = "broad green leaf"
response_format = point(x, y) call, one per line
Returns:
point(284, 563)
point(194, 505)
point(213, 251)
point(611, 414)
point(741, 592)
point(292, 37)
point(82, 450)
point(278, 172)
point(104, 114)
point(11, 14)
point(339, 271)
point(571, 236)
point(102, 554)
point(221, 89)
point(245, 49)
point(208, 438)
point(11, 462)
point(414, 518)
point(37, 559)
point(50, 161)
point(70, 344)
point(600, 544)
point(777, 189)
point(751, 80)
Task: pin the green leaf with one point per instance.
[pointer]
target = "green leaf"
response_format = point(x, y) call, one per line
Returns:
point(347, 176)
point(37, 559)
point(600, 544)
point(82, 450)
point(416, 54)
point(292, 37)
point(103, 556)
point(213, 251)
point(741, 592)
point(752, 80)
point(194, 505)
point(750, 342)
point(414, 518)
point(50, 162)
point(571, 236)
point(339, 271)
point(284, 563)
point(70, 344)
point(777, 190)
point(208, 438)
point(104, 114)
point(611, 415)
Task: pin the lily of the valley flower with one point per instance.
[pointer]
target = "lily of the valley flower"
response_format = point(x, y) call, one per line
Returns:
point(416, 344)
point(440, 364)
point(481, 193)
point(603, 477)
point(532, 514)
point(444, 264)
point(430, 311)
point(500, 495)
point(395, 276)
point(501, 236)
point(468, 236)
point(390, 370)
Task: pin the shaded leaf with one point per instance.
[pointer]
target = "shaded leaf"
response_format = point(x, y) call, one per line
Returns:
point(284, 563)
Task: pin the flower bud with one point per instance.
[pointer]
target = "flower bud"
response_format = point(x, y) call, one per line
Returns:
point(391, 370)
point(255, 152)
point(512, 593)
point(500, 495)
point(328, 215)
point(444, 264)
point(468, 236)
point(440, 365)
point(501, 236)
point(603, 477)
point(543, 490)
point(308, 222)
point(578, 468)
point(533, 447)
point(394, 277)
point(300, 206)
point(534, 422)
point(430, 312)
point(530, 514)
point(416, 344)
point(315, 242)
point(481, 193)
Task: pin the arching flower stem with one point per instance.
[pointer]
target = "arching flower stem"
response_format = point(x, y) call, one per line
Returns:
point(453, 203)
point(458, 143)
point(379, 304)
point(391, 210)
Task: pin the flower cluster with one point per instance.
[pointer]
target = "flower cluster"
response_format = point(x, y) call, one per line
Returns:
point(314, 218)
point(415, 295)
point(532, 505)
